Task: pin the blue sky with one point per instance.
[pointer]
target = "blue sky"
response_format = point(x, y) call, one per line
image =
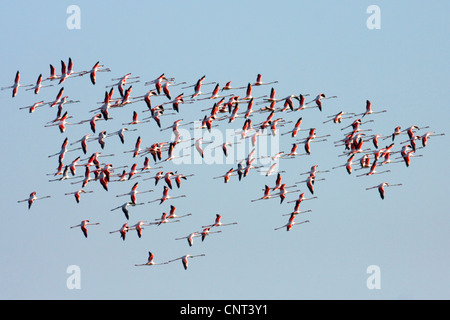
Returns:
point(309, 48)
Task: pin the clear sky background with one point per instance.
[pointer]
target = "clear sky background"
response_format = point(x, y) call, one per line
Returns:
point(309, 48)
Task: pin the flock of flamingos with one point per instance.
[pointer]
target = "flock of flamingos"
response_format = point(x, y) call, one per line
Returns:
point(227, 104)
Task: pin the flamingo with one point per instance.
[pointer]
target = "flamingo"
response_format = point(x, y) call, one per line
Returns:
point(369, 110)
point(312, 137)
point(218, 222)
point(65, 175)
point(124, 208)
point(62, 102)
point(199, 146)
point(158, 176)
point(207, 231)
point(158, 82)
point(365, 161)
point(138, 227)
point(240, 170)
point(16, 85)
point(93, 72)
point(300, 199)
point(226, 176)
point(291, 223)
point(198, 86)
point(348, 165)
point(37, 87)
point(104, 175)
point(184, 259)
point(319, 98)
point(166, 90)
point(224, 146)
point(104, 109)
point(175, 126)
point(164, 219)
point(288, 103)
point(274, 124)
point(410, 130)
point(214, 94)
point(87, 177)
point(310, 182)
point(294, 152)
point(355, 125)
point(63, 150)
point(337, 118)
point(83, 225)
point(249, 165)
point(234, 113)
point(172, 214)
point(125, 98)
point(101, 139)
point(249, 108)
point(156, 150)
point(381, 187)
point(33, 107)
point(167, 177)
point(92, 121)
point(283, 192)
point(180, 176)
point(248, 95)
point(375, 139)
point(146, 99)
point(229, 87)
point(93, 159)
point(73, 165)
point(190, 238)
point(397, 131)
point(246, 128)
point(65, 73)
point(52, 75)
point(271, 170)
point(166, 196)
point(123, 231)
point(133, 193)
point(121, 133)
point(271, 98)
point(259, 81)
point(135, 120)
point(137, 147)
point(150, 261)
point(386, 152)
point(83, 142)
point(57, 98)
point(122, 81)
point(407, 154)
point(147, 166)
point(155, 116)
point(77, 194)
point(170, 155)
point(373, 171)
point(424, 138)
point(266, 195)
point(296, 129)
point(278, 183)
point(59, 170)
point(412, 142)
point(32, 198)
point(177, 101)
point(302, 104)
point(133, 171)
point(314, 170)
